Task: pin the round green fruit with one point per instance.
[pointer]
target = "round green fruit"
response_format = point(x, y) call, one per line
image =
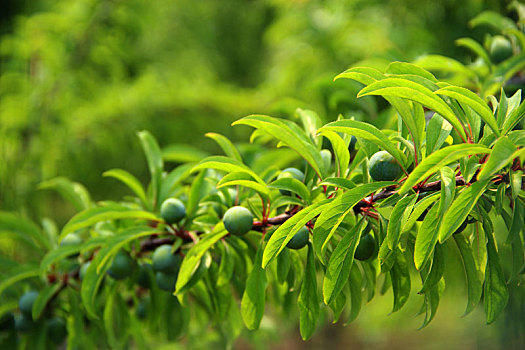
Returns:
point(56, 329)
point(383, 167)
point(7, 322)
point(326, 155)
point(300, 239)
point(164, 260)
point(122, 266)
point(500, 49)
point(365, 248)
point(83, 270)
point(238, 220)
point(144, 277)
point(25, 304)
point(172, 210)
point(24, 323)
point(166, 280)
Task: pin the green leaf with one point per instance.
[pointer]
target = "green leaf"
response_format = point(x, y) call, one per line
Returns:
point(513, 118)
point(182, 153)
point(286, 231)
point(493, 19)
point(44, 296)
point(439, 159)
point(403, 88)
point(290, 135)
point(419, 209)
point(194, 255)
point(502, 154)
point(101, 263)
point(340, 264)
point(448, 188)
point(308, 301)
point(253, 299)
point(364, 75)
point(24, 229)
point(445, 65)
point(226, 266)
point(367, 132)
point(460, 208)
point(436, 271)
point(198, 190)
point(400, 276)
point(74, 192)
point(311, 122)
point(338, 182)
point(472, 100)
point(474, 280)
point(401, 209)
point(227, 146)
point(245, 180)
point(476, 48)
point(154, 159)
point(496, 292)
point(340, 150)
point(91, 216)
point(411, 69)
point(427, 237)
point(116, 319)
point(228, 165)
point(19, 274)
point(172, 180)
point(293, 185)
point(356, 294)
point(129, 180)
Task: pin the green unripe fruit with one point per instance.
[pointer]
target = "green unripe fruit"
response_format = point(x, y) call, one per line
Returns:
point(164, 260)
point(290, 173)
point(351, 145)
point(144, 277)
point(25, 304)
point(56, 330)
point(365, 248)
point(7, 322)
point(166, 280)
point(300, 239)
point(500, 49)
point(238, 220)
point(141, 310)
point(383, 167)
point(71, 239)
point(24, 323)
point(83, 270)
point(172, 210)
point(122, 266)
point(326, 155)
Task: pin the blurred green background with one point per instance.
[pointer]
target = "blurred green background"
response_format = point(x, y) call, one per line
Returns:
point(79, 78)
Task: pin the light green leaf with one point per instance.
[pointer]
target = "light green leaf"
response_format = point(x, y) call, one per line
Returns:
point(253, 299)
point(476, 48)
point(356, 293)
point(43, 298)
point(338, 182)
point(228, 165)
point(400, 276)
point(227, 146)
point(513, 118)
point(19, 274)
point(427, 237)
point(340, 150)
point(194, 255)
point(129, 180)
point(401, 209)
point(73, 192)
point(368, 132)
point(460, 208)
point(24, 229)
point(502, 155)
point(154, 159)
point(472, 100)
point(364, 75)
point(474, 280)
point(308, 301)
point(439, 159)
point(448, 188)
point(293, 185)
point(182, 153)
point(493, 19)
point(411, 69)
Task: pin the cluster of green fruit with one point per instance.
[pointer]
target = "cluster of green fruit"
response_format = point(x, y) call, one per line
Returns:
point(24, 322)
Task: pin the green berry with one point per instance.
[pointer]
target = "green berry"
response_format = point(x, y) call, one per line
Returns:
point(238, 220)
point(122, 266)
point(56, 329)
point(144, 277)
point(500, 49)
point(164, 260)
point(383, 167)
point(366, 247)
point(326, 155)
point(172, 210)
point(166, 280)
point(300, 239)
point(26, 302)
point(83, 270)
point(7, 322)
point(24, 323)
